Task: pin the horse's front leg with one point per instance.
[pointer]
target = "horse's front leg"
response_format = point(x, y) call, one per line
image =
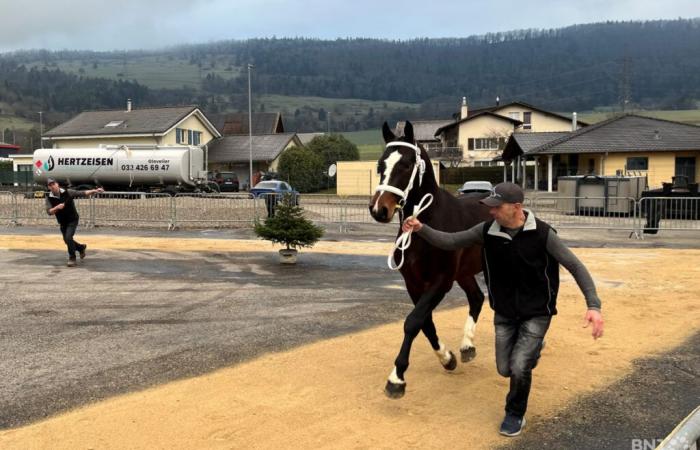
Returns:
point(420, 318)
point(467, 349)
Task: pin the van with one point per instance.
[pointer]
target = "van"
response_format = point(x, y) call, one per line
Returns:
point(227, 181)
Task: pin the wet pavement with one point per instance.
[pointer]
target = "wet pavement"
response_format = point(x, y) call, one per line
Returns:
point(124, 320)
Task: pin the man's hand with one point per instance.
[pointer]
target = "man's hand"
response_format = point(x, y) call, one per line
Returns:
point(99, 190)
point(411, 224)
point(59, 207)
point(596, 318)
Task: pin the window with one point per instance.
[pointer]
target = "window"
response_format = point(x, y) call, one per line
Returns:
point(527, 120)
point(514, 115)
point(484, 143)
point(638, 163)
point(485, 163)
point(197, 138)
point(114, 123)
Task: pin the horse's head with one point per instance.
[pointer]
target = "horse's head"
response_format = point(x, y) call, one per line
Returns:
point(398, 168)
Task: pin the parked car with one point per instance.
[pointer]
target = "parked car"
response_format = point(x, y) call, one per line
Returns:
point(227, 181)
point(274, 187)
point(478, 187)
point(273, 191)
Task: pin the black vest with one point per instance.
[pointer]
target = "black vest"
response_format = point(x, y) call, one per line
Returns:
point(69, 213)
point(522, 278)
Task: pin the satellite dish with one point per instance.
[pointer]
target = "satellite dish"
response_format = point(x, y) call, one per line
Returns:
point(332, 170)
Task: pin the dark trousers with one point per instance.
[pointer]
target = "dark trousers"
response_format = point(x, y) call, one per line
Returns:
point(518, 346)
point(68, 231)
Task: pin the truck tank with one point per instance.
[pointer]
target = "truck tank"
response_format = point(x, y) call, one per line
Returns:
point(126, 166)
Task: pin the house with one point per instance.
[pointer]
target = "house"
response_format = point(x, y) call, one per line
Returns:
point(177, 125)
point(233, 153)
point(262, 123)
point(624, 145)
point(8, 149)
point(480, 134)
point(424, 132)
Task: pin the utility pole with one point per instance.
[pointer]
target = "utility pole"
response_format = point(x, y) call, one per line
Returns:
point(250, 128)
point(625, 83)
point(41, 129)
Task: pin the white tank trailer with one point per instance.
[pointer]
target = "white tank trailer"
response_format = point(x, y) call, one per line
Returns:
point(125, 168)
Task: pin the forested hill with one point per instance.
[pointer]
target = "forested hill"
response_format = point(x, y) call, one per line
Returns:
point(653, 64)
point(580, 66)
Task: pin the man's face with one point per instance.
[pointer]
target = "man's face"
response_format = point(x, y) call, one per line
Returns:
point(506, 213)
point(54, 187)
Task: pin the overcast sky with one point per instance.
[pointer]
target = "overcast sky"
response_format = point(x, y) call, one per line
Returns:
point(130, 24)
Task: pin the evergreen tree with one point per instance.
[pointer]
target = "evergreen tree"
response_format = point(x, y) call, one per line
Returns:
point(289, 227)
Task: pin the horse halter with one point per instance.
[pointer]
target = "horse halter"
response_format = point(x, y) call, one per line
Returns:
point(419, 167)
point(404, 240)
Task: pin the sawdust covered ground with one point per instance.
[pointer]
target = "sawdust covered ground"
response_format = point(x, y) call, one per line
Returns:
point(329, 394)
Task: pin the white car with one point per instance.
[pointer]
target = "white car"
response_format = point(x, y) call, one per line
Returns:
point(475, 186)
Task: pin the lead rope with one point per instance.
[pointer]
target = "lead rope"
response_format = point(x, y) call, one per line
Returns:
point(404, 241)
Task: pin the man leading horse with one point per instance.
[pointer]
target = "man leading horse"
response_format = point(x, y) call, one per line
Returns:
point(520, 258)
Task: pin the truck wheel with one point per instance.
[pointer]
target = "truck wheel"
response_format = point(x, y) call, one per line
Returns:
point(213, 187)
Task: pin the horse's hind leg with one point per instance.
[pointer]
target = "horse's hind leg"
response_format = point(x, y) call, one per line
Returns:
point(445, 356)
point(475, 298)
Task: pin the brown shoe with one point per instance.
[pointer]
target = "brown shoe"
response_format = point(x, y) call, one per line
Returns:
point(82, 252)
point(71, 262)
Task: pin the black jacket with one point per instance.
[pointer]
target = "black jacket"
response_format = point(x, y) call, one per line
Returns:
point(522, 277)
point(69, 213)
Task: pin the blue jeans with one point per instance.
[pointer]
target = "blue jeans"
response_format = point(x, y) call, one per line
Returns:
point(518, 346)
point(68, 231)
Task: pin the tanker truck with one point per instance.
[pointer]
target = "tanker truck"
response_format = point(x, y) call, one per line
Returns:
point(144, 168)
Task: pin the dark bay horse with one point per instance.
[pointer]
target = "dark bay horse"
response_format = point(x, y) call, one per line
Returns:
point(406, 176)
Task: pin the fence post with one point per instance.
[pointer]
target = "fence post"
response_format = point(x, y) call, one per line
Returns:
point(173, 213)
point(15, 212)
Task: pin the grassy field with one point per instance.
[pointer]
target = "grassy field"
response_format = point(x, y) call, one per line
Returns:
point(17, 123)
point(152, 71)
point(365, 137)
point(691, 116)
point(370, 152)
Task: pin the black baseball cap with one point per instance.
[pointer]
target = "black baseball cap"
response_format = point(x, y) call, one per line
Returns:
point(504, 193)
point(50, 180)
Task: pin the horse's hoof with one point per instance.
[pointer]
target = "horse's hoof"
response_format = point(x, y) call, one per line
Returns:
point(452, 363)
point(394, 390)
point(468, 354)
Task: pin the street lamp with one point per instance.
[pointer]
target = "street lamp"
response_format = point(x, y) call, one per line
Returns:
point(41, 129)
point(250, 129)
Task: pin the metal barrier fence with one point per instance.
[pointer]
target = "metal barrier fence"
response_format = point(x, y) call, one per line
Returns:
point(214, 209)
point(669, 213)
point(649, 215)
point(587, 212)
point(144, 209)
point(7, 207)
point(686, 435)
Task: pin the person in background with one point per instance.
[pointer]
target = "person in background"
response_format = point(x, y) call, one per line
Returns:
point(520, 256)
point(60, 203)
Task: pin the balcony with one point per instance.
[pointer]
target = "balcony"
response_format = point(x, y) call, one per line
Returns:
point(451, 155)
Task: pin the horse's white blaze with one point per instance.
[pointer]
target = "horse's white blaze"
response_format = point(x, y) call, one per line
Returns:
point(389, 164)
point(443, 354)
point(469, 329)
point(394, 378)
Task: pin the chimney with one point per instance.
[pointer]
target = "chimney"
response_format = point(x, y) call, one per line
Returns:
point(465, 110)
point(128, 105)
point(498, 101)
point(574, 122)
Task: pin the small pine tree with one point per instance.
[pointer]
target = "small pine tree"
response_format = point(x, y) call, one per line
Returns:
point(288, 226)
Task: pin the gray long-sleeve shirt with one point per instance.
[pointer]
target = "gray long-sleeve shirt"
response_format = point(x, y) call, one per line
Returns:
point(555, 247)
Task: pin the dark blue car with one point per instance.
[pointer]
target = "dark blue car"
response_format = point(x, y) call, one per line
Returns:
point(273, 191)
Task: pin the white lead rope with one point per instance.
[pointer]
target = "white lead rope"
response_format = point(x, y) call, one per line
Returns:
point(404, 241)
